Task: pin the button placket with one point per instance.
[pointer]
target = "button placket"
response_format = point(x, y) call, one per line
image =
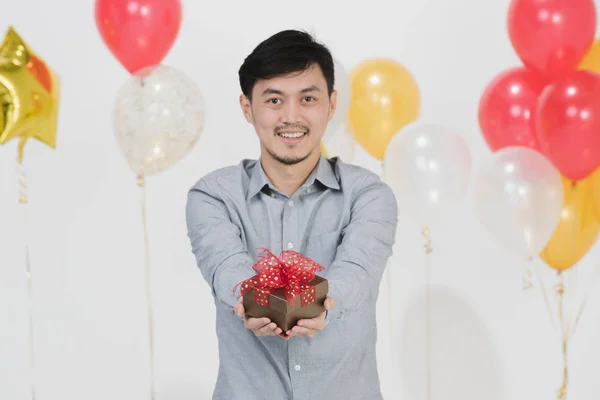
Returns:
point(296, 365)
point(287, 224)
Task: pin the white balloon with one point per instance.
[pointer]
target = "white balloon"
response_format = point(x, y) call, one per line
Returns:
point(343, 87)
point(429, 169)
point(518, 197)
point(158, 118)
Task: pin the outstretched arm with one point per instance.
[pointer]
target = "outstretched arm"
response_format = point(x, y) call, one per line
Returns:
point(216, 243)
point(221, 255)
point(367, 244)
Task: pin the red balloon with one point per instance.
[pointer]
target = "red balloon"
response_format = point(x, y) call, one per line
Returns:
point(552, 36)
point(507, 109)
point(139, 33)
point(568, 124)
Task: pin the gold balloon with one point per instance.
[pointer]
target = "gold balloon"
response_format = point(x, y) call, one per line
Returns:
point(578, 227)
point(385, 98)
point(591, 62)
point(594, 178)
point(29, 94)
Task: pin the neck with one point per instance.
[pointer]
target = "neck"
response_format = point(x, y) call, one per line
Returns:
point(289, 178)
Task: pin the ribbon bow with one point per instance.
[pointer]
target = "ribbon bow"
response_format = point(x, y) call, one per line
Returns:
point(290, 271)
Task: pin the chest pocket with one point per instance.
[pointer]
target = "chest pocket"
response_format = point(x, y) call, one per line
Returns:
point(322, 248)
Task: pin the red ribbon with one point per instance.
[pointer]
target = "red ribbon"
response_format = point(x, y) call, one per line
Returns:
point(290, 271)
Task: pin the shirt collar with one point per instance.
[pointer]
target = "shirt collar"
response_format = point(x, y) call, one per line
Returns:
point(324, 173)
point(258, 180)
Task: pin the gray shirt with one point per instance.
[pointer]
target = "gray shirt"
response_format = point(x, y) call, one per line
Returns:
point(344, 218)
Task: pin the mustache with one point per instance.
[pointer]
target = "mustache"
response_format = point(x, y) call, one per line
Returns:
point(298, 127)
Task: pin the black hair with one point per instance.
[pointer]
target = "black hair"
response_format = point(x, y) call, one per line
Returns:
point(283, 53)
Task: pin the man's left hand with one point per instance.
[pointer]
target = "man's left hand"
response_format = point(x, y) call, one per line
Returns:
point(308, 327)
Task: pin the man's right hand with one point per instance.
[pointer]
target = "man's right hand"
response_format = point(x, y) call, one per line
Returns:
point(260, 326)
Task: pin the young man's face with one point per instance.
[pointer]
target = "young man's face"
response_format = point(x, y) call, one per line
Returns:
point(290, 114)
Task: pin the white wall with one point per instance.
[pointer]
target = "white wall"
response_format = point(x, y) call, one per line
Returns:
point(491, 340)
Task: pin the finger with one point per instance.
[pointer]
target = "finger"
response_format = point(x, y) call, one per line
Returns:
point(239, 309)
point(329, 303)
point(300, 331)
point(267, 330)
point(284, 336)
point(317, 323)
point(255, 323)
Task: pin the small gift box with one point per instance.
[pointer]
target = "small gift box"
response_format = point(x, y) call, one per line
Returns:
point(285, 289)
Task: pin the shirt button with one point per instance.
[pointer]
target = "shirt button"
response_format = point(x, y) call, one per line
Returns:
point(291, 203)
point(290, 246)
point(308, 190)
point(297, 367)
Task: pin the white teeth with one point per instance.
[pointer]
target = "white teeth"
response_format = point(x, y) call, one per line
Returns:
point(293, 135)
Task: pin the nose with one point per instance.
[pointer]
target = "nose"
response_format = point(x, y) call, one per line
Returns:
point(291, 113)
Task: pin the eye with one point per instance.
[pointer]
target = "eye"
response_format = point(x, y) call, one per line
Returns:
point(274, 101)
point(308, 98)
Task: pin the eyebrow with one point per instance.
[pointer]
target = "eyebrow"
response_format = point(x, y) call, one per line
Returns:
point(312, 88)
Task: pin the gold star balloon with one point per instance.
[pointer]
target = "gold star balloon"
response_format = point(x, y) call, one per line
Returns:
point(29, 94)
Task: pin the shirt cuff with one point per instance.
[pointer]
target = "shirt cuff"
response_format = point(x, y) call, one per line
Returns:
point(338, 312)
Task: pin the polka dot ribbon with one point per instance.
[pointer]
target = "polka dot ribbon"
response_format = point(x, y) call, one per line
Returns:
point(290, 271)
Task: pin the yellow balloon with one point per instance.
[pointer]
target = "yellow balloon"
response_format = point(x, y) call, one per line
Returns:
point(591, 62)
point(578, 227)
point(324, 150)
point(594, 178)
point(385, 98)
point(29, 94)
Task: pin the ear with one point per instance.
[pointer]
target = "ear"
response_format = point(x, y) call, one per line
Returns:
point(332, 103)
point(246, 106)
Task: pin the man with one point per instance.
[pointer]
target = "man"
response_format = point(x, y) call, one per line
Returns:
point(341, 216)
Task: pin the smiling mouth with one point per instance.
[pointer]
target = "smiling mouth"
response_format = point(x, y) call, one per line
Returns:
point(291, 135)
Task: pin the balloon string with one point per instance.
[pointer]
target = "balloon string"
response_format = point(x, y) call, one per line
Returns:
point(24, 201)
point(575, 322)
point(546, 300)
point(527, 284)
point(574, 271)
point(142, 185)
point(428, 250)
point(560, 291)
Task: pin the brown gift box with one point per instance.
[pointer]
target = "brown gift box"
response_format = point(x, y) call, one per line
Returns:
point(281, 312)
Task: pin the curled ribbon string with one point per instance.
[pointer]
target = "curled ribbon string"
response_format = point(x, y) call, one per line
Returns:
point(560, 291)
point(23, 199)
point(562, 327)
point(291, 271)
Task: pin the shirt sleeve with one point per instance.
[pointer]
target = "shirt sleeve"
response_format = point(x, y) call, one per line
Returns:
point(367, 244)
point(216, 243)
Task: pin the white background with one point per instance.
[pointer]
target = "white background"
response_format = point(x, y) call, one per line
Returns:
point(491, 339)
